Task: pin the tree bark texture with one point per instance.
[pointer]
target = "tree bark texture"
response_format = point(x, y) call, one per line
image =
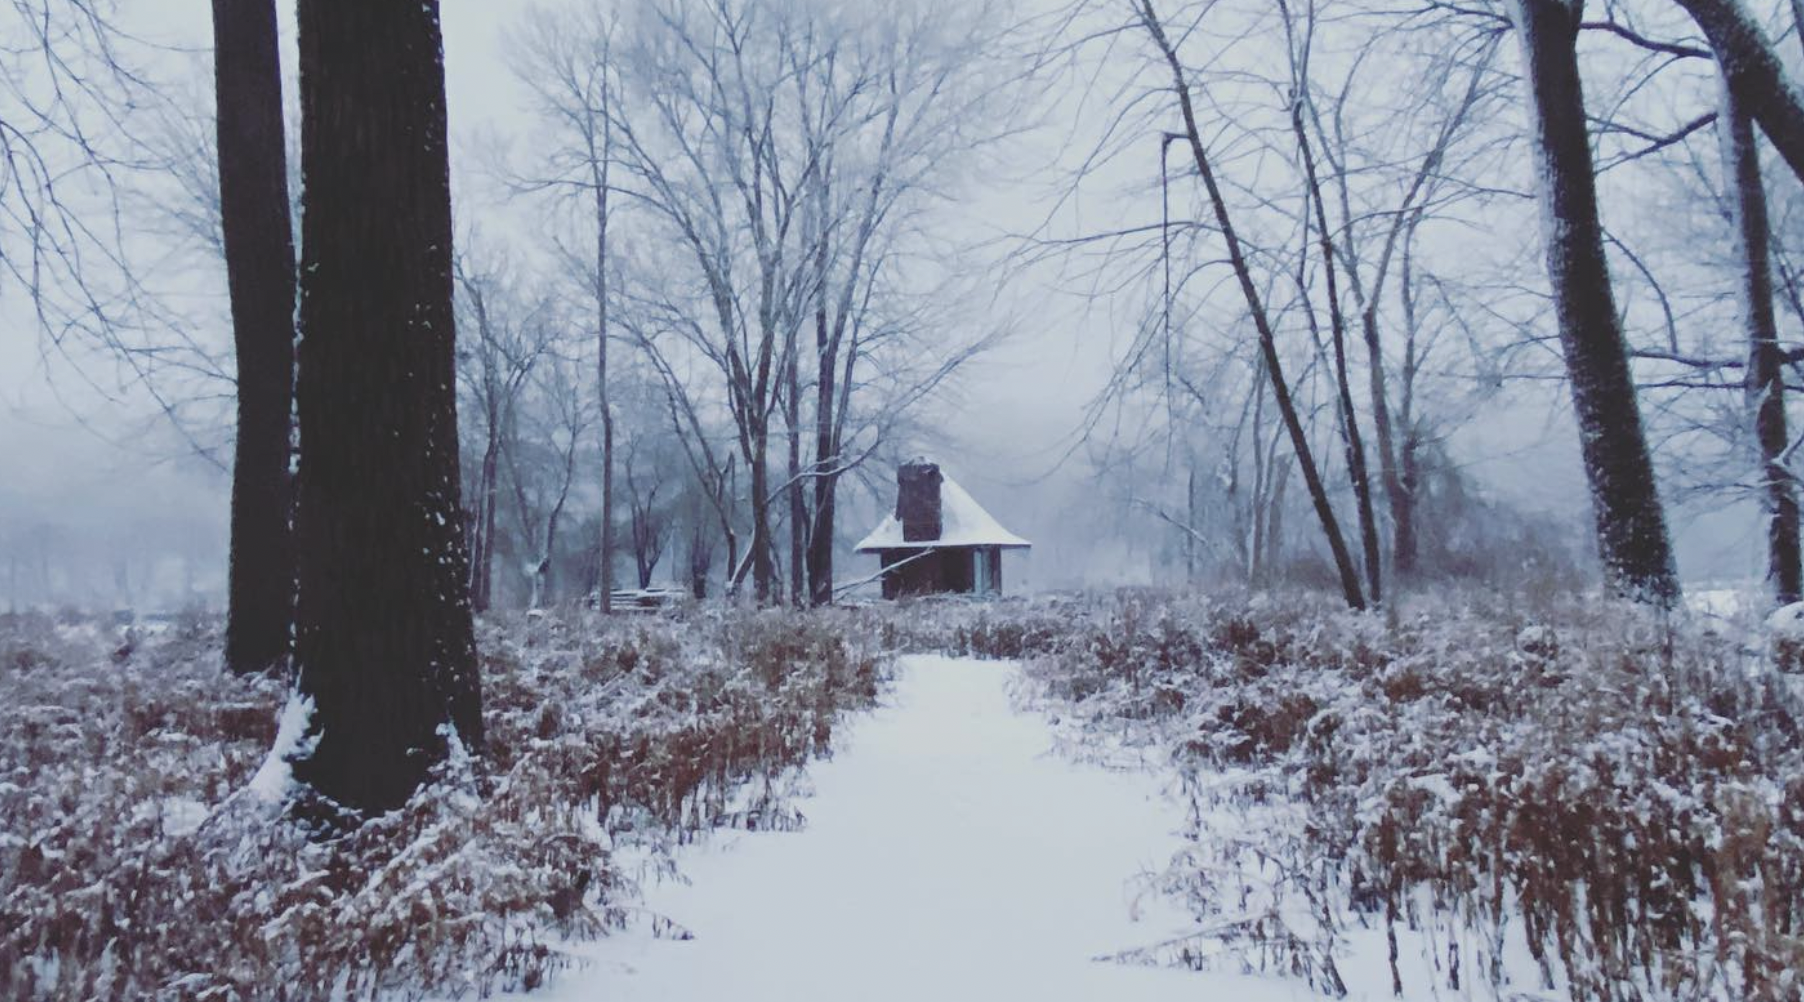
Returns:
point(1766, 360)
point(384, 641)
point(1631, 526)
point(1754, 74)
point(260, 274)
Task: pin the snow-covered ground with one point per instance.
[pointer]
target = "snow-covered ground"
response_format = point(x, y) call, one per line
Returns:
point(947, 855)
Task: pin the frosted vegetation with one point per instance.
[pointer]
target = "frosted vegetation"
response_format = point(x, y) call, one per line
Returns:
point(1480, 794)
point(128, 868)
point(1491, 795)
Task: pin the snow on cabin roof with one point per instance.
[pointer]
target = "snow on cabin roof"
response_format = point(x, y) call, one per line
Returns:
point(963, 522)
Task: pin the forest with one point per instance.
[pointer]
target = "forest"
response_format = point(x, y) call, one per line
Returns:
point(445, 442)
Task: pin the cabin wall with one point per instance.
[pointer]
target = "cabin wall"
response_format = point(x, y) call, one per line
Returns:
point(907, 573)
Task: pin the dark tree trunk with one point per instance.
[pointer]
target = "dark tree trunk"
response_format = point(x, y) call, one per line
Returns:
point(820, 545)
point(826, 442)
point(1631, 527)
point(1754, 73)
point(384, 642)
point(763, 567)
point(1766, 361)
point(798, 508)
point(259, 246)
point(483, 559)
point(646, 549)
point(701, 556)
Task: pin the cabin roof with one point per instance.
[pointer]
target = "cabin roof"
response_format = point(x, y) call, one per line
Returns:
point(963, 522)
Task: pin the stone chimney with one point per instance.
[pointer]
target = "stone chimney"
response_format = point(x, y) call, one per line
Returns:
point(918, 500)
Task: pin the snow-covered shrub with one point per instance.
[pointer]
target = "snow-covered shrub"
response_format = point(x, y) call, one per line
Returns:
point(136, 859)
point(1526, 794)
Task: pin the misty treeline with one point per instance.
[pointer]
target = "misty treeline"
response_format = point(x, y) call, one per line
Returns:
point(671, 323)
point(703, 286)
point(738, 297)
point(1372, 229)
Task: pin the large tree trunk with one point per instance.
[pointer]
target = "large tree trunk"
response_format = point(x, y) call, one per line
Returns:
point(259, 246)
point(1766, 362)
point(384, 641)
point(1754, 74)
point(1268, 346)
point(1631, 527)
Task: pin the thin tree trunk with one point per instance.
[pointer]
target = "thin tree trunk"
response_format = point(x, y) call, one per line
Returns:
point(1409, 476)
point(1766, 363)
point(384, 641)
point(1190, 517)
point(798, 509)
point(260, 273)
point(606, 588)
point(1356, 451)
point(482, 595)
point(1261, 478)
point(1268, 345)
point(826, 444)
point(1631, 526)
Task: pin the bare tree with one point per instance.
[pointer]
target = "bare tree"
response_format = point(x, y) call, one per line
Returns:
point(568, 64)
point(542, 465)
point(772, 151)
point(1148, 19)
point(1386, 223)
point(70, 149)
point(1349, 416)
point(646, 479)
point(504, 337)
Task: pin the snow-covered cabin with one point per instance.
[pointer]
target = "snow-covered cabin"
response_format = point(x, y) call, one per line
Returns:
point(939, 539)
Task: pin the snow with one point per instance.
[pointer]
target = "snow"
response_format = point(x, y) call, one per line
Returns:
point(947, 855)
point(270, 784)
point(1787, 621)
point(963, 522)
point(184, 815)
point(1725, 602)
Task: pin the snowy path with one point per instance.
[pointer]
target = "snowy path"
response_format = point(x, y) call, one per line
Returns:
point(947, 856)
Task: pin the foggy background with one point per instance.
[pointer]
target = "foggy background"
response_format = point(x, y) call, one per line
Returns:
point(103, 502)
